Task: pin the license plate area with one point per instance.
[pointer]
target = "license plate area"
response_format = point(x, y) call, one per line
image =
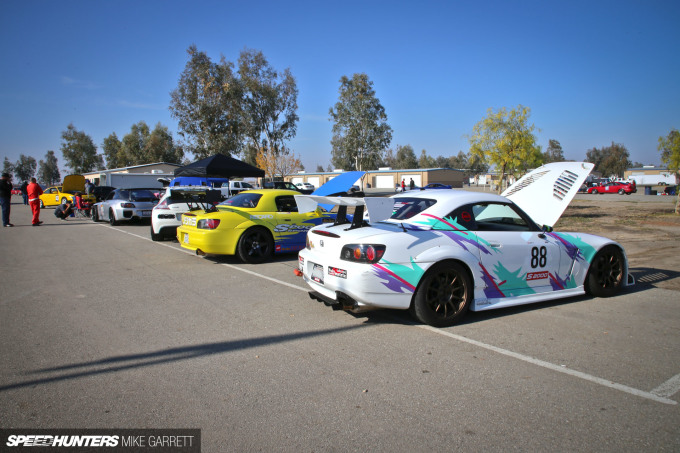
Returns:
point(317, 273)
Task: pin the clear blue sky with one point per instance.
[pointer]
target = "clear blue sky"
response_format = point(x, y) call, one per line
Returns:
point(592, 72)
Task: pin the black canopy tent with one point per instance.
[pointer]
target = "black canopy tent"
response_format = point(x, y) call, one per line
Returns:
point(220, 166)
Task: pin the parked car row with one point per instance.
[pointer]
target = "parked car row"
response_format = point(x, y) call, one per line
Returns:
point(438, 253)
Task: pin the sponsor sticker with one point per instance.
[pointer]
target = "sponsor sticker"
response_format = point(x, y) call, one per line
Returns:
point(335, 272)
point(537, 275)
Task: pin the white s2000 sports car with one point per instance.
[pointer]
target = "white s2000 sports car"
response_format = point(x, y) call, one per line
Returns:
point(439, 253)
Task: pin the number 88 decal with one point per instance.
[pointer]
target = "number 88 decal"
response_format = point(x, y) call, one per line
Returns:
point(538, 257)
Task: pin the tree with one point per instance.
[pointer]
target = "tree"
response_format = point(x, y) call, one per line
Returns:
point(459, 162)
point(279, 164)
point(207, 106)
point(160, 147)
point(48, 170)
point(554, 152)
point(670, 155)
point(7, 166)
point(133, 144)
point(360, 130)
point(79, 151)
point(611, 161)
point(442, 162)
point(506, 140)
point(112, 148)
point(25, 168)
point(319, 168)
point(388, 159)
point(269, 117)
point(426, 161)
point(142, 146)
point(406, 158)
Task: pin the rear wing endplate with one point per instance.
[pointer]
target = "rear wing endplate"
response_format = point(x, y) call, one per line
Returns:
point(378, 208)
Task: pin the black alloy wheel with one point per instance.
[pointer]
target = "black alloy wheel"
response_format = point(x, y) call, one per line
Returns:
point(605, 276)
point(255, 246)
point(444, 295)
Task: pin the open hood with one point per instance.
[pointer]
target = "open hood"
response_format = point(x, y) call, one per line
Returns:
point(73, 183)
point(545, 192)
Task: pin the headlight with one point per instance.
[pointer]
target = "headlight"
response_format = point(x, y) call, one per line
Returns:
point(362, 253)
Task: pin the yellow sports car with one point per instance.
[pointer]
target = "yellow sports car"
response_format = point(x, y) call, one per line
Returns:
point(56, 195)
point(253, 224)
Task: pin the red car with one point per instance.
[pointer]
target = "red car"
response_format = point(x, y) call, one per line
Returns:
point(614, 187)
point(16, 191)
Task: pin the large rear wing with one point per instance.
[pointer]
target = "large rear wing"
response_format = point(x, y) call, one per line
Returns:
point(378, 208)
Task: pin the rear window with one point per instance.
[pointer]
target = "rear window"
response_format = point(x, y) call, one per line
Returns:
point(142, 195)
point(243, 200)
point(405, 208)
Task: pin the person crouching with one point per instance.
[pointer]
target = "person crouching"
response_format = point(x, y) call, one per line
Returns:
point(64, 210)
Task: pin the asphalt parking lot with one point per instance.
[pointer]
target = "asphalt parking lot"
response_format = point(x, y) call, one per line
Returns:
point(103, 328)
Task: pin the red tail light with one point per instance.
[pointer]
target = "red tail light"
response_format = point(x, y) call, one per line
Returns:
point(162, 205)
point(362, 253)
point(208, 224)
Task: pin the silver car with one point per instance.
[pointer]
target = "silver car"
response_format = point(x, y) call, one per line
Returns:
point(125, 205)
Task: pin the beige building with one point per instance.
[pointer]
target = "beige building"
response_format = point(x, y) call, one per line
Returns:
point(387, 178)
point(159, 169)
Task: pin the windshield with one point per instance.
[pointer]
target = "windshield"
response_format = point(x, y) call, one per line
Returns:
point(243, 200)
point(405, 208)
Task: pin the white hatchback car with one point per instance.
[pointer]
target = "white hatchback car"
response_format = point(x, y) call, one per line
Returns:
point(167, 214)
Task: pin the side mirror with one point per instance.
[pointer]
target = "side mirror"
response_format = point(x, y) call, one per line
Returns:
point(547, 229)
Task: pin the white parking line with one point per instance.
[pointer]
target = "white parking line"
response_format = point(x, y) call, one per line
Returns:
point(230, 266)
point(659, 394)
point(560, 369)
point(668, 388)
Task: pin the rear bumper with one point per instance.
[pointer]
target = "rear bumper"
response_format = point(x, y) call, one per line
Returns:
point(213, 242)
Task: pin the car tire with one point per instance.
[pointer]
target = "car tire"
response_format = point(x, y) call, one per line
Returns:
point(255, 245)
point(64, 200)
point(621, 191)
point(42, 205)
point(112, 218)
point(155, 237)
point(443, 295)
point(605, 275)
point(95, 215)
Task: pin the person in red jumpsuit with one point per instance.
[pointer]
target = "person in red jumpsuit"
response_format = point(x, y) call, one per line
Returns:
point(34, 191)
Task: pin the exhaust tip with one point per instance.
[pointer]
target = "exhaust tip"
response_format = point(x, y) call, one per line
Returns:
point(200, 252)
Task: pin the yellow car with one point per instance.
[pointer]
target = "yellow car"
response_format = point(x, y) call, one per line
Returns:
point(254, 224)
point(57, 195)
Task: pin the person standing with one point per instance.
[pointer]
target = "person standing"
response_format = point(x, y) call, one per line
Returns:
point(6, 198)
point(24, 193)
point(411, 184)
point(34, 191)
point(403, 185)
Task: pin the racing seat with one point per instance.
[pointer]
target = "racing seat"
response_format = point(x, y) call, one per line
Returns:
point(81, 208)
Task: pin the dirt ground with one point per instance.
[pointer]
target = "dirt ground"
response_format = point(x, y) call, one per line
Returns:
point(646, 226)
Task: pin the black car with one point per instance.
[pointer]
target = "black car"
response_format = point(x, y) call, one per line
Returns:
point(101, 192)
